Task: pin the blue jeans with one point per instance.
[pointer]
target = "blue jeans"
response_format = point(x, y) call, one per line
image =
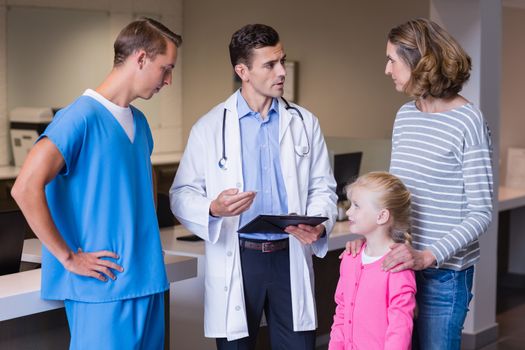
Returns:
point(442, 298)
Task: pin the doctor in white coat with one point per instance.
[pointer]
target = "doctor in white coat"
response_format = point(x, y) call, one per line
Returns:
point(229, 174)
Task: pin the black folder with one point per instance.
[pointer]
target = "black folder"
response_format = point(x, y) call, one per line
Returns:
point(277, 223)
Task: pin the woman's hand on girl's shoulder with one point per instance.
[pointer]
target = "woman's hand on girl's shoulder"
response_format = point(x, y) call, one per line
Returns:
point(403, 256)
point(352, 247)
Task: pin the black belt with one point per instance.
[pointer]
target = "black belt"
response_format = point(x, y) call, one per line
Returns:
point(264, 246)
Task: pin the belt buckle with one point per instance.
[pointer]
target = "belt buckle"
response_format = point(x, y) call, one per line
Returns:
point(266, 247)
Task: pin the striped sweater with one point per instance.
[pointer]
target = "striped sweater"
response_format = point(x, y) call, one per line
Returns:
point(444, 159)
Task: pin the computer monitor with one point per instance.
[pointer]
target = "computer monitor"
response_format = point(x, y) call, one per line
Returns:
point(346, 170)
point(12, 234)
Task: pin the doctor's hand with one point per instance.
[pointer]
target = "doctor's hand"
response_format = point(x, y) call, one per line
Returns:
point(305, 233)
point(91, 264)
point(230, 202)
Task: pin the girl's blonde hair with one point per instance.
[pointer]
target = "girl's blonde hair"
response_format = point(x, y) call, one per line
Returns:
point(394, 197)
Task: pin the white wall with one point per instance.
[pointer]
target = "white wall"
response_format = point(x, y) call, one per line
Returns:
point(52, 50)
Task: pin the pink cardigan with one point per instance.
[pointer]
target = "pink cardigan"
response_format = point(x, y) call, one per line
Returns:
point(374, 309)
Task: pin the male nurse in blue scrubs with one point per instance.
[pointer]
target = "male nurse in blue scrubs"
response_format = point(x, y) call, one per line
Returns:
point(86, 190)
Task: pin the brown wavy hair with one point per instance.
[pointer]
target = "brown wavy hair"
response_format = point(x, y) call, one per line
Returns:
point(438, 63)
point(393, 196)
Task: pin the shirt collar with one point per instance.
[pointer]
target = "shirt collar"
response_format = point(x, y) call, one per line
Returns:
point(243, 110)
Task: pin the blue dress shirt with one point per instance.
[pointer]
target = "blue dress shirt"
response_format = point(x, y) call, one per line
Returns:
point(261, 165)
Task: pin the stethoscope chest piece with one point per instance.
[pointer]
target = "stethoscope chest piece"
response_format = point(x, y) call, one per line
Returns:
point(222, 163)
point(302, 151)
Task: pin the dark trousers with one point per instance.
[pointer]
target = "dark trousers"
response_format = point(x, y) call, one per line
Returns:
point(266, 279)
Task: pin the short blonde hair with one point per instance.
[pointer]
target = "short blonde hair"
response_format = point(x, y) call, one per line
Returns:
point(438, 63)
point(393, 196)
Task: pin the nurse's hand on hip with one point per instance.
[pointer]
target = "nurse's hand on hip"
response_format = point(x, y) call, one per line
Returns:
point(305, 233)
point(230, 202)
point(91, 264)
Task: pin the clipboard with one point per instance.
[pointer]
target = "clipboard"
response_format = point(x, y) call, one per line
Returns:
point(277, 223)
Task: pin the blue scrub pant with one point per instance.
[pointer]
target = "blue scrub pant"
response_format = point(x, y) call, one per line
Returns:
point(442, 298)
point(266, 282)
point(130, 324)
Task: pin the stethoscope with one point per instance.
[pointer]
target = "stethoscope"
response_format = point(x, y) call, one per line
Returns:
point(304, 153)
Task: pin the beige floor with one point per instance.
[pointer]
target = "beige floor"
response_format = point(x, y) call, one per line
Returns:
point(511, 320)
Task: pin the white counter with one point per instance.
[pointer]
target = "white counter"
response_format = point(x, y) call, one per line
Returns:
point(511, 198)
point(338, 238)
point(8, 172)
point(20, 292)
point(166, 158)
point(11, 172)
point(32, 251)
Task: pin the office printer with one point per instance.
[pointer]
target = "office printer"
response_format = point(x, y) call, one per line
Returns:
point(26, 124)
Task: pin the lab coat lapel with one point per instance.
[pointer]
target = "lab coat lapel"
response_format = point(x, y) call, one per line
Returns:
point(235, 323)
point(288, 161)
point(284, 119)
point(233, 141)
point(303, 306)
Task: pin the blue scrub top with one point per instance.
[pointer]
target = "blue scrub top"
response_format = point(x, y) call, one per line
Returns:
point(103, 200)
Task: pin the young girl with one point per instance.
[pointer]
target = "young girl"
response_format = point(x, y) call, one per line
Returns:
point(375, 308)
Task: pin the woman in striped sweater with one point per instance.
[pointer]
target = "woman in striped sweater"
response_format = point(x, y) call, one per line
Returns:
point(441, 150)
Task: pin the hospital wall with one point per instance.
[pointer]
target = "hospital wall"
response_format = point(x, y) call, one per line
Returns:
point(512, 122)
point(339, 47)
point(52, 50)
point(339, 50)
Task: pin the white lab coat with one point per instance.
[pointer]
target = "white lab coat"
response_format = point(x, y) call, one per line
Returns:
point(310, 188)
